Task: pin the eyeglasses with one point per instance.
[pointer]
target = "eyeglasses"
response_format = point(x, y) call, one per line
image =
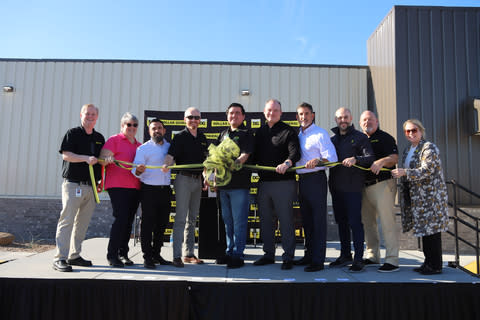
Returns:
point(414, 130)
point(190, 117)
point(132, 124)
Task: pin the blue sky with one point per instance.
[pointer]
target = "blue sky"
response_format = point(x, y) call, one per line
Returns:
point(279, 31)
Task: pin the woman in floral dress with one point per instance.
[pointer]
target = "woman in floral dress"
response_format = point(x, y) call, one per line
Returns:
point(423, 195)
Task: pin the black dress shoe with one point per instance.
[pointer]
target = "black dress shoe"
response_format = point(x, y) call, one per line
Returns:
point(303, 261)
point(427, 271)
point(234, 263)
point(159, 260)
point(314, 267)
point(177, 262)
point(419, 269)
point(341, 262)
point(149, 264)
point(126, 261)
point(62, 266)
point(287, 264)
point(263, 261)
point(357, 266)
point(116, 262)
point(223, 259)
point(79, 262)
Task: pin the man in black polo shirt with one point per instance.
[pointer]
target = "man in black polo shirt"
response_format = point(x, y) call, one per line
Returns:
point(276, 145)
point(189, 146)
point(234, 196)
point(80, 147)
point(379, 196)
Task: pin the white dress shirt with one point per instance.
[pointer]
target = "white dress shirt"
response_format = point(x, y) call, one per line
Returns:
point(315, 143)
point(153, 154)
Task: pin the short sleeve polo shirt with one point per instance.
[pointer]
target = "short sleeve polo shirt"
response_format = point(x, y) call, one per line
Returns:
point(76, 140)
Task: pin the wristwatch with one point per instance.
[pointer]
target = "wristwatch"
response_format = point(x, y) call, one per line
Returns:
point(288, 163)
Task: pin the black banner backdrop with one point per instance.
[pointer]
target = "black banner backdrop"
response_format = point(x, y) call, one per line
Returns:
point(211, 124)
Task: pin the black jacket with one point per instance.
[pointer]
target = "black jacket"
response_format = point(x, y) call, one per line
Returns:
point(353, 144)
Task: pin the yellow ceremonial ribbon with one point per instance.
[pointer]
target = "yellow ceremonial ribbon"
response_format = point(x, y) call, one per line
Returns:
point(122, 164)
point(321, 164)
point(94, 184)
point(249, 166)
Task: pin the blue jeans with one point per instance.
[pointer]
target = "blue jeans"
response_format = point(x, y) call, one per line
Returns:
point(234, 204)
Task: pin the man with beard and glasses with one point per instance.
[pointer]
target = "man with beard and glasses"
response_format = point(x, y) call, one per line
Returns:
point(346, 184)
point(155, 193)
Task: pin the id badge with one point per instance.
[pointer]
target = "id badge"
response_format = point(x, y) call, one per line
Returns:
point(78, 192)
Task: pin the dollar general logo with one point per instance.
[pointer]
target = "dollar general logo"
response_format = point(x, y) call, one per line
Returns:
point(292, 123)
point(254, 178)
point(212, 135)
point(167, 122)
point(255, 123)
point(217, 123)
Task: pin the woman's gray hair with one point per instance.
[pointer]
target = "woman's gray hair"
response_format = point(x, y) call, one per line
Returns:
point(127, 116)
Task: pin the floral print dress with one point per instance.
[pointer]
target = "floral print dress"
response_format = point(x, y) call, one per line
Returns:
point(423, 192)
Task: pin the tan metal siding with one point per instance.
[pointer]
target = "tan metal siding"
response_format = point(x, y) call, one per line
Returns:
point(49, 94)
point(381, 61)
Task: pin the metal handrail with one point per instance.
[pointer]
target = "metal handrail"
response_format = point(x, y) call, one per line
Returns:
point(456, 219)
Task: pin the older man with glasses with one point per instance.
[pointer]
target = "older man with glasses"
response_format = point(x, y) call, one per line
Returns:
point(189, 146)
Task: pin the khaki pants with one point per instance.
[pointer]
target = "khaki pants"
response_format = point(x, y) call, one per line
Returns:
point(188, 192)
point(74, 220)
point(378, 201)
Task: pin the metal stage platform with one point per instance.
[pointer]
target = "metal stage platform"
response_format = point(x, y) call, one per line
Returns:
point(31, 289)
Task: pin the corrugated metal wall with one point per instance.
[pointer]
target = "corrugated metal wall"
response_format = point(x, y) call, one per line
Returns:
point(381, 60)
point(437, 71)
point(49, 94)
